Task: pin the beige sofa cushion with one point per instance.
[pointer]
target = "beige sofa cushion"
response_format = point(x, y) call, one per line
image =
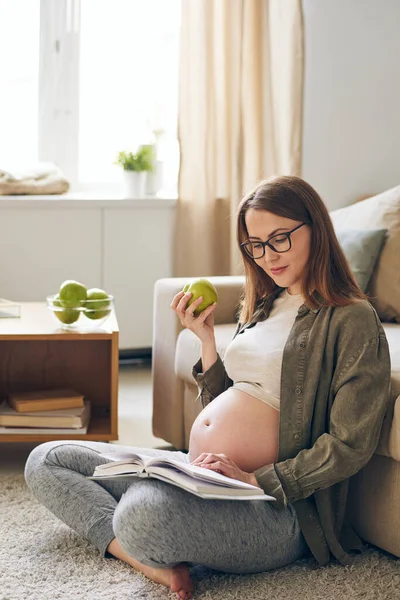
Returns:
point(389, 443)
point(188, 349)
point(394, 436)
point(381, 211)
point(392, 331)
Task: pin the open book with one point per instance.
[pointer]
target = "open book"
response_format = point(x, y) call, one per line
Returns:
point(196, 480)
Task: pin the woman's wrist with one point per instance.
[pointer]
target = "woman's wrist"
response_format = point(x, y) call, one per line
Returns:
point(208, 339)
point(253, 480)
point(208, 354)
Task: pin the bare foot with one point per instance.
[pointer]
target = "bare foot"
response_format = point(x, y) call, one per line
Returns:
point(177, 578)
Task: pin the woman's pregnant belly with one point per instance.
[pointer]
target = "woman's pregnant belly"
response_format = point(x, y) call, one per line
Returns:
point(240, 426)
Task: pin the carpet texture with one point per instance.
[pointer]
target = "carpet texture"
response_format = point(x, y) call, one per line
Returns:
point(43, 559)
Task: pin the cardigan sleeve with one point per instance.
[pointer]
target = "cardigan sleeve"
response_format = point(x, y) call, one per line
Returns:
point(212, 382)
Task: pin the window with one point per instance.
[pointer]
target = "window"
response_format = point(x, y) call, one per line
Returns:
point(87, 79)
point(19, 52)
point(128, 79)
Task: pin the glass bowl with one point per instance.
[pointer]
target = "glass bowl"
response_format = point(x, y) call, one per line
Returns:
point(87, 316)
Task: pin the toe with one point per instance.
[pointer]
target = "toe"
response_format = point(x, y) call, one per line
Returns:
point(184, 595)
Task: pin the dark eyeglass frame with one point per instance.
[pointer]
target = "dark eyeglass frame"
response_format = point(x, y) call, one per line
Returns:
point(263, 244)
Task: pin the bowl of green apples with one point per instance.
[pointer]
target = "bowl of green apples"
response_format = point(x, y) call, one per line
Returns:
point(77, 308)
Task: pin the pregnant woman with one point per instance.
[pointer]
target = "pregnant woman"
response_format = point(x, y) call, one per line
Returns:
point(295, 407)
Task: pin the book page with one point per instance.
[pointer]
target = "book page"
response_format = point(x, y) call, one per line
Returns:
point(200, 485)
point(194, 471)
point(208, 489)
point(123, 458)
point(135, 458)
point(199, 473)
point(130, 457)
point(113, 468)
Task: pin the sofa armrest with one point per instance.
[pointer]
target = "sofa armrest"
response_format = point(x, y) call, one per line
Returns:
point(168, 407)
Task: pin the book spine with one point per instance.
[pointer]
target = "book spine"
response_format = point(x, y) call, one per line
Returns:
point(42, 422)
point(39, 405)
point(42, 430)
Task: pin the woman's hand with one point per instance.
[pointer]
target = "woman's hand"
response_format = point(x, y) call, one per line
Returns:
point(203, 324)
point(224, 465)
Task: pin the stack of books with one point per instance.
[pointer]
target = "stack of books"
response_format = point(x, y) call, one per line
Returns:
point(47, 411)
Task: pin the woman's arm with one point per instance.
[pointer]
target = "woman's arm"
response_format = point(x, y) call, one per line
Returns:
point(361, 391)
point(213, 381)
point(208, 353)
point(209, 372)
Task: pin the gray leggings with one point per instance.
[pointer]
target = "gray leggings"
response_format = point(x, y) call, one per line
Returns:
point(159, 524)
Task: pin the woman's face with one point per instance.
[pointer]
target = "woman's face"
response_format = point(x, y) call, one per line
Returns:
point(261, 225)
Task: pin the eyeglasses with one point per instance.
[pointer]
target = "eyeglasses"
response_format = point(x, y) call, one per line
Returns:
point(278, 243)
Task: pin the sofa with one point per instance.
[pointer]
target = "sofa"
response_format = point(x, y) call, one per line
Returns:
point(374, 494)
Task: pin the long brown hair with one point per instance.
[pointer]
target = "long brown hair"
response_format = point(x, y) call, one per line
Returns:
point(328, 272)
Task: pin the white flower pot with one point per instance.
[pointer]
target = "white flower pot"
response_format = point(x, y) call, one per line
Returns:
point(134, 184)
point(154, 180)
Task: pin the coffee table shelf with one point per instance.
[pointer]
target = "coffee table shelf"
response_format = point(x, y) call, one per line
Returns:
point(36, 354)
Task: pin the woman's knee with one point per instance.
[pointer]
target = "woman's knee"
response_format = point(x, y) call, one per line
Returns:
point(36, 467)
point(35, 462)
point(146, 522)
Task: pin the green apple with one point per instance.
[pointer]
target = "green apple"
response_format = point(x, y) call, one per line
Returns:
point(201, 287)
point(68, 315)
point(72, 294)
point(97, 305)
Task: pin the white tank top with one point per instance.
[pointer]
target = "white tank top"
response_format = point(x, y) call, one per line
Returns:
point(253, 360)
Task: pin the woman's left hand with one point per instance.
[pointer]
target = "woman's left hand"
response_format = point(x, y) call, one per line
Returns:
point(224, 465)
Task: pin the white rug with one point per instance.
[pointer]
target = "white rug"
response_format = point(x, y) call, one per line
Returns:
point(42, 559)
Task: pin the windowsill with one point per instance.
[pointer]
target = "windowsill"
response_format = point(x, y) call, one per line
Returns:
point(87, 200)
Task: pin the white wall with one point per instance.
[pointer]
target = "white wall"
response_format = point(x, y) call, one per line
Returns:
point(351, 130)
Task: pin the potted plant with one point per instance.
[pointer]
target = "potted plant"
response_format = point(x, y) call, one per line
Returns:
point(154, 178)
point(135, 166)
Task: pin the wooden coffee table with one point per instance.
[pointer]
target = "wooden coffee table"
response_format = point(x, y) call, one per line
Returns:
point(35, 354)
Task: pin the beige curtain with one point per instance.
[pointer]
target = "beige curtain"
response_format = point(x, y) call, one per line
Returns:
point(240, 113)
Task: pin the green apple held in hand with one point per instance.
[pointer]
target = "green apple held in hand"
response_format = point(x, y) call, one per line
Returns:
point(204, 288)
point(67, 315)
point(72, 294)
point(97, 305)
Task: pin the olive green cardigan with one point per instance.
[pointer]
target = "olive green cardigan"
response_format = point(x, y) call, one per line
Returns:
point(335, 389)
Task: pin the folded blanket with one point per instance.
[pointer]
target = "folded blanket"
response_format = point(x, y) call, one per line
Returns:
point(42, 178)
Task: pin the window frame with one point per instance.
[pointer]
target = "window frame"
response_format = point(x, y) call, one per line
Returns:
point(58, 117)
